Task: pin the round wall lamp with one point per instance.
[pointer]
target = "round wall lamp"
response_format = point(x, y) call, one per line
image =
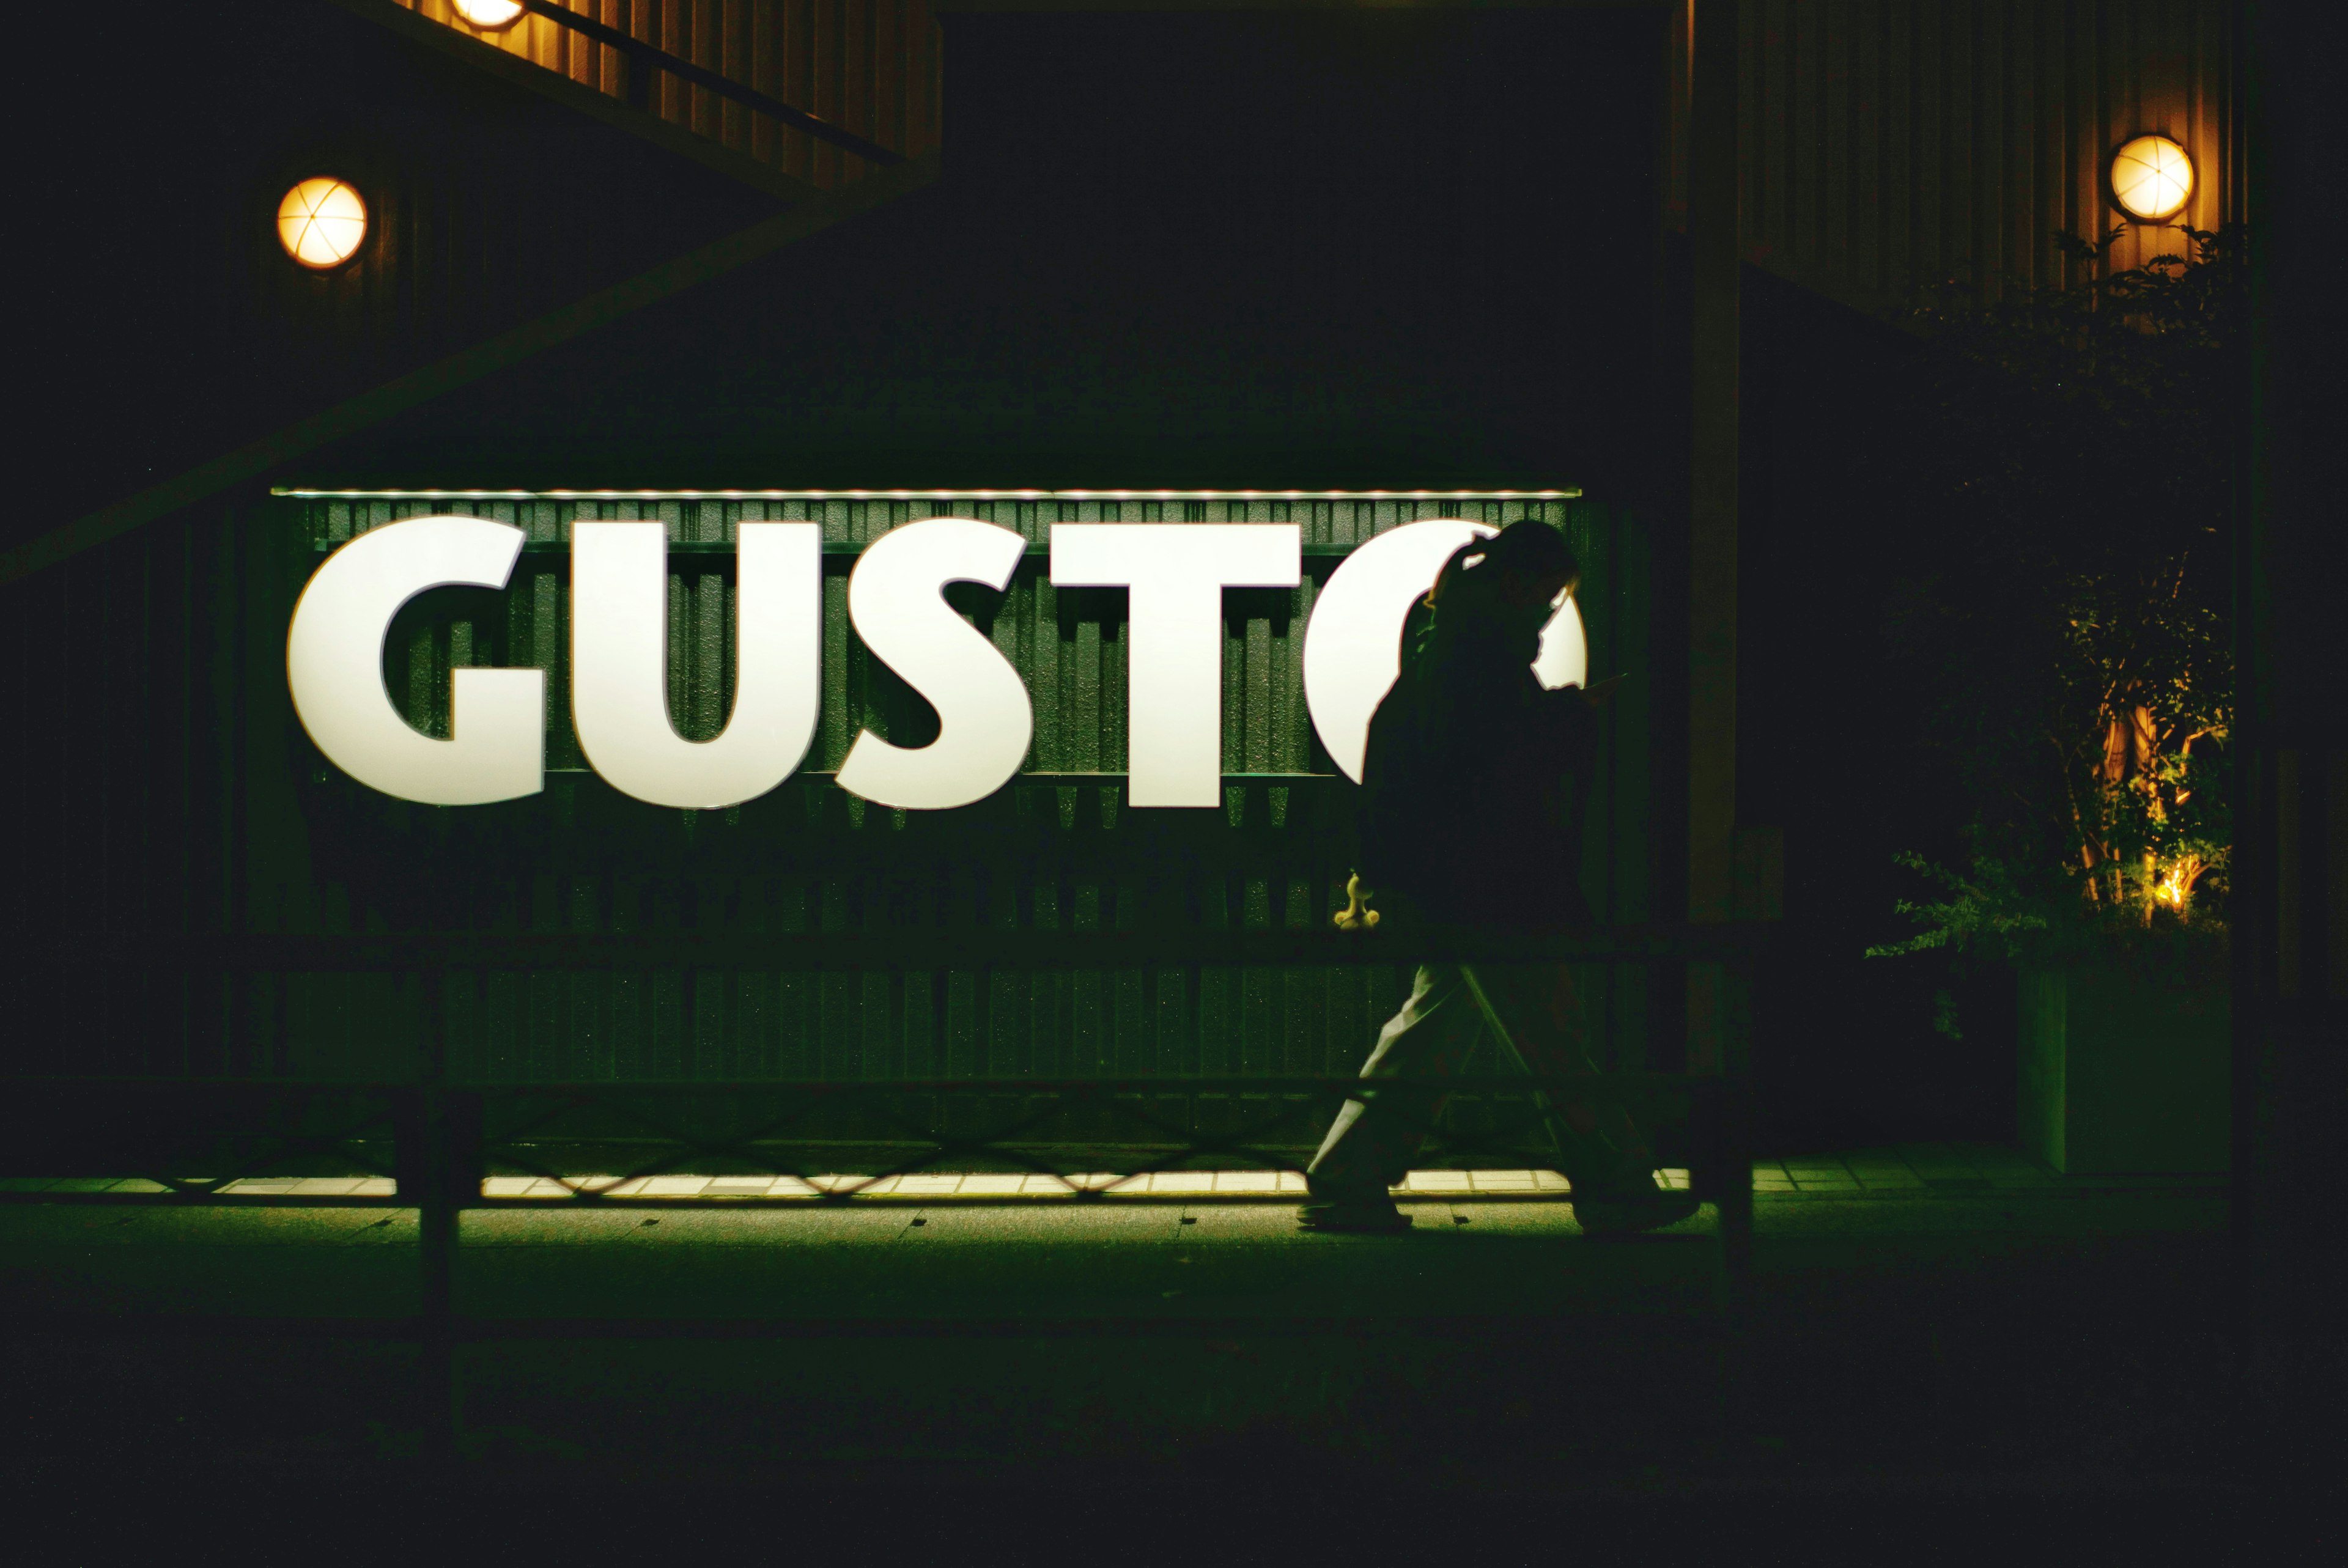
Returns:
point(322, 222)
point(2152, 179)
point(489, 16)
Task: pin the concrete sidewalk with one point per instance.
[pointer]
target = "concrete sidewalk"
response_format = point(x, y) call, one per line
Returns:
point(2020, 1333)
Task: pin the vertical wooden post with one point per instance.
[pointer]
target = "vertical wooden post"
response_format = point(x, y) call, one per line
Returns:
point(1715, 322)
point(1734, 1126)
point(637, 74)
point(2289, 903)
point(437, 1172)
point(1723, 1176)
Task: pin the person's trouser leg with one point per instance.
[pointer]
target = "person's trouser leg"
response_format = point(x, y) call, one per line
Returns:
point(1368, 1145)
point(1533, 1011)
point(1534, 1015)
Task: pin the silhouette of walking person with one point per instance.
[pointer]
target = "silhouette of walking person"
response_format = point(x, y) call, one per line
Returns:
point(1470, 808)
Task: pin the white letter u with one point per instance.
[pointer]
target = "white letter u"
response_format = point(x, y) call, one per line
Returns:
point(619, 663)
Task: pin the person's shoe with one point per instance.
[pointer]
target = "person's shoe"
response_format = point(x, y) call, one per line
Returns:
point(1628, 1204)
point(1361, 1218)
point(1632, 1212)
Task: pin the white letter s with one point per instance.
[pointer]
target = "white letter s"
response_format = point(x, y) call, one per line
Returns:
point(984, 718)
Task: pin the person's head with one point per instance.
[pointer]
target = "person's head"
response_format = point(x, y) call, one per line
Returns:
point(1510, 582)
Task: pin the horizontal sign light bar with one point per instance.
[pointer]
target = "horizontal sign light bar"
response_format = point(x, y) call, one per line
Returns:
point(723, 550)
point(308, 495)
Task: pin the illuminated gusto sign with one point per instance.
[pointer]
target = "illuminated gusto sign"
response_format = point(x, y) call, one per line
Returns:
point(1174, 574)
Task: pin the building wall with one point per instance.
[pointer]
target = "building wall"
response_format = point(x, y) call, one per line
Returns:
point(182, 798)
point(1891, 145)
point(174, 330)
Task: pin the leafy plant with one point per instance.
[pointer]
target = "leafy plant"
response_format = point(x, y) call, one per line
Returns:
point(2071, 653)
point(1984, 910)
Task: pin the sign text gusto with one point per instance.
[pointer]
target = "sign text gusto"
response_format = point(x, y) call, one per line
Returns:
point(1174, 575)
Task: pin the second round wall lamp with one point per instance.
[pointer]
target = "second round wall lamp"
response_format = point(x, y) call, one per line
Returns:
point(322, 222)
point(2152, 179)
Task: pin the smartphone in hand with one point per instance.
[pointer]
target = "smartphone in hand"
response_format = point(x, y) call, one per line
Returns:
point(1600, 691)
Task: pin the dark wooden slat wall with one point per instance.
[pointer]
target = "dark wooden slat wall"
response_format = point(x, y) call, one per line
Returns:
point(126, 685)
point(1889, 145)
point(167, 789)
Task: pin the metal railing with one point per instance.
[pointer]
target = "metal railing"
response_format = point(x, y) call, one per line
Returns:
point(644, 60)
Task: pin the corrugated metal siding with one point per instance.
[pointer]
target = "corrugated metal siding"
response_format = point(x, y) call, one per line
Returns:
point(126, 685)
point(181, 796)
point(459, 246)
point(457, 250)
point(869, 67)
point(1892, 144)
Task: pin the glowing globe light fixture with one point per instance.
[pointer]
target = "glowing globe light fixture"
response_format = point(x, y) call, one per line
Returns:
point(2152, 179)
point(321, 222)
point(489, 15)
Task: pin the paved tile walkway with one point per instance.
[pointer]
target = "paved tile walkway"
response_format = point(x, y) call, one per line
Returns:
point(1906, 1170)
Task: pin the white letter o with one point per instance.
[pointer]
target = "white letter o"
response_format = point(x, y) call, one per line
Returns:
point(1353, 644)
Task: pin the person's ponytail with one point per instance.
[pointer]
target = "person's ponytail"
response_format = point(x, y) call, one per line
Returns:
point(1454, 565)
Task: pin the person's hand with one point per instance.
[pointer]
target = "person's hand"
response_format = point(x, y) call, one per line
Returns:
point(1357, 915)
point(1598, 696)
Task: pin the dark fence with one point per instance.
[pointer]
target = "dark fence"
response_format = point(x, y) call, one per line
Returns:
point(428, 982)
point(438, 1139)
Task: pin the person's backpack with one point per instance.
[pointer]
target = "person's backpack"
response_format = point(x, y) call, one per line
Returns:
point(1436, 820)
